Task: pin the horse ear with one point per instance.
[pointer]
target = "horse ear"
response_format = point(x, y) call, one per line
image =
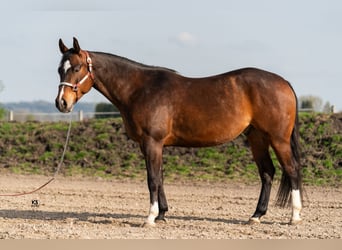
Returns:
point(76, 46)
point(62, 47)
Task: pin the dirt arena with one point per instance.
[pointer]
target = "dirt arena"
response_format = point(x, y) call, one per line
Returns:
point(75, 208)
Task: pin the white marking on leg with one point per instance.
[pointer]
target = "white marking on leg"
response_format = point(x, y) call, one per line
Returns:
point(66, 66)
point(254, 220)
point(154, 210)
point(296, 206)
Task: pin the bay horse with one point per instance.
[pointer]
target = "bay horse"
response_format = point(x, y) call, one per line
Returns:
point(160, 107)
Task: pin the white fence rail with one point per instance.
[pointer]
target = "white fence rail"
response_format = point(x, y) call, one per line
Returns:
point(56, 117)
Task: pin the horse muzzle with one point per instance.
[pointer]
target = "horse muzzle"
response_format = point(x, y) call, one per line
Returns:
point(63, 106)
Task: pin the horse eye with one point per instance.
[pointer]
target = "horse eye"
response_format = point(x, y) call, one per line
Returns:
point(77, 68)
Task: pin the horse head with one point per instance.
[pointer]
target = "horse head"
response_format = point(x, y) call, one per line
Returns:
point(76, 77)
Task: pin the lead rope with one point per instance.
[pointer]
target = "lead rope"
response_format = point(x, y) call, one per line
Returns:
point(57, 170)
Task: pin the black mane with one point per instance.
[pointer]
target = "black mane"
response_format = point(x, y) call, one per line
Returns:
point(132, 62)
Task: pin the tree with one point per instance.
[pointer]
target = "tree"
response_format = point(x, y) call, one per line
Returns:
point(310, 102)
point(1, 86)
point(105, 108)
point(2, 110)
point(328, 108)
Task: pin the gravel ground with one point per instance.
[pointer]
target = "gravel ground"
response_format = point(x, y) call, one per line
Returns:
point(75, 208)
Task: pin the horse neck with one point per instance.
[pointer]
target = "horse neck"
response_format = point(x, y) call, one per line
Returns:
point(116, 79)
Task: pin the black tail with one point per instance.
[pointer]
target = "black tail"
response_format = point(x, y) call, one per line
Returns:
point(283, 195)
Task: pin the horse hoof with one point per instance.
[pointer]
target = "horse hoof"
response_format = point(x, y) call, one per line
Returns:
point(149, 225)
point(161, 221)
point(253, 221)
point(296, 222)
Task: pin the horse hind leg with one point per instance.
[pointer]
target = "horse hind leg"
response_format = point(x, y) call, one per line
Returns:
point(260, 148)
point(291, 183)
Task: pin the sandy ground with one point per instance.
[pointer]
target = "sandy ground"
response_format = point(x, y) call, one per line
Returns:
point(75, 208)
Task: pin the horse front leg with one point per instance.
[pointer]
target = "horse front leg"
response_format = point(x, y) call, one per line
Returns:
point(152, 151)
point(162, 202)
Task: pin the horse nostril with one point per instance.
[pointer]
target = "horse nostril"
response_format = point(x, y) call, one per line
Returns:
point(63, 103)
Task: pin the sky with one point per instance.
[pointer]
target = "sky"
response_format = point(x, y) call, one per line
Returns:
point(301, 40)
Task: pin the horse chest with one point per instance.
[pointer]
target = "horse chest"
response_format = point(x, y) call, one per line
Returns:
point(131, 129)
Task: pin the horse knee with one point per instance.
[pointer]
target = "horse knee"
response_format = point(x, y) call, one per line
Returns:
point(267, 177)
point(154, 182)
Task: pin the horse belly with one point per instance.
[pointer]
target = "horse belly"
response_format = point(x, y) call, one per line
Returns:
point(206, 133)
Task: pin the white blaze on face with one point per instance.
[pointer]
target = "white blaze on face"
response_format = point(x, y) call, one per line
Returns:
point(61, 93)
point(66, 66)
point(154, 210)
point(296, 205)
